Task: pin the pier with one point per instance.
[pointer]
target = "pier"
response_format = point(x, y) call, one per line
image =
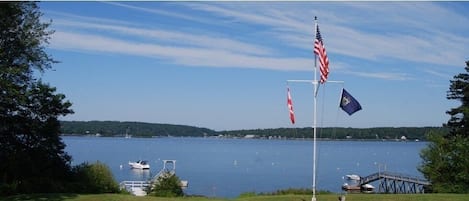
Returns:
point(392, 183)
point(138, 188)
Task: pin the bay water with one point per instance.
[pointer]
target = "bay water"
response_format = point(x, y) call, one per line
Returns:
point(219, 167)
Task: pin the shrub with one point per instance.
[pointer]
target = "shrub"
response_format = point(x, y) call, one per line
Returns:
point(247, 194)
point(167, 185)
point(94, 178)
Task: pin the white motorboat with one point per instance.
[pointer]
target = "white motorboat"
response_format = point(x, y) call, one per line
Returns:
point(353, 177)
point(140, 164)
point(367, 188)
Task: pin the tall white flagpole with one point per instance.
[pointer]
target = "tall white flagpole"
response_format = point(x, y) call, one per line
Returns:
point(316, 85)
point(315, 82)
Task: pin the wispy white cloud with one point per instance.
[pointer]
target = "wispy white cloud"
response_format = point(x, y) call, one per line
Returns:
point(58, 16)
point(410, 31)
point(365, 31)
point(164, 13)
point(189, 56)
point(277, 19)
point(229, 54)
point(91, 34)
point(152, 10)
point(382, 75)
point(407, 31)
point(438, 74)
point(171, 37)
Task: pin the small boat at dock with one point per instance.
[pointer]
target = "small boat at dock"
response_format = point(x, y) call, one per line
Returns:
point(140, 164)
point(367, 188)
point(353, 177)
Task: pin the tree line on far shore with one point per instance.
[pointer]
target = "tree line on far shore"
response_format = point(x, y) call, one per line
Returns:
point(136, 129)
point(340, 133)
point(140, 129)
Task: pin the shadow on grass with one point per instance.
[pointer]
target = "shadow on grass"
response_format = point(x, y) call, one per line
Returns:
point(40, 197)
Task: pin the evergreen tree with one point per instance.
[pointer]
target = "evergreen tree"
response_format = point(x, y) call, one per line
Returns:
point(459, 90)
point(32, 154)
point(445, 162)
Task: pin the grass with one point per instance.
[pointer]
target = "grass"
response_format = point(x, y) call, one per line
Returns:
point(328, 197)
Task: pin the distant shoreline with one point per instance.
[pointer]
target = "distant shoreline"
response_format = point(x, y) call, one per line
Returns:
point(254, 138)
point(149, 130)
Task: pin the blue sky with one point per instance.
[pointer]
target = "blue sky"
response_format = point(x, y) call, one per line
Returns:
point(224, 65)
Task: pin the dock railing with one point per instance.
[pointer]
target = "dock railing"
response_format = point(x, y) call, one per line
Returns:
point(130, 185)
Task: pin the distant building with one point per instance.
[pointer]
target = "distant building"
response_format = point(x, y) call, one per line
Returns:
point(249, 136)
point(404, 138)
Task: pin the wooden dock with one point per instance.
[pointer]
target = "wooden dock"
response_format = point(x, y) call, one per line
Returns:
point(139, 188)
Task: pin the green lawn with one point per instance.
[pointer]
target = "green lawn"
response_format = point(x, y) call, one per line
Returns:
point(329, 197)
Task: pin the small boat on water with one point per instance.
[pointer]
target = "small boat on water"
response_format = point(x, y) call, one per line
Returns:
point(367, 188)
point(353, 177)
point(351, 188)
point(140, 164)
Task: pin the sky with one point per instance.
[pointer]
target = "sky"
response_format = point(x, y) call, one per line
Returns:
point(225, 65)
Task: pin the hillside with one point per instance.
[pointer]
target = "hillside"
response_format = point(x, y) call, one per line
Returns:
point(117, 128)
point(140, 129)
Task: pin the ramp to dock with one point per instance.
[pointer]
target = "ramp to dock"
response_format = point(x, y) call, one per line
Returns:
point(390, 182)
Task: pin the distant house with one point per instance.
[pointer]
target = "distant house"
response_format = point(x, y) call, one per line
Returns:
point(249, 136)
point(403, 138)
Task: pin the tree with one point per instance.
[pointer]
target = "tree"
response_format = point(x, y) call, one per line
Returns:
point(459, 90)
point(167, 185)
point(32, 153)
point(445, 162)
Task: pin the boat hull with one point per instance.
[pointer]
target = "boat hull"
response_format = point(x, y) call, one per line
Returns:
point(143, 165)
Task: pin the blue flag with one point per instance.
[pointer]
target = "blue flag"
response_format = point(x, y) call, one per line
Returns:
point(348, 103)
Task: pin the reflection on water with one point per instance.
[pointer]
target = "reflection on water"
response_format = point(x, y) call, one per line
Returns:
point(139, 174)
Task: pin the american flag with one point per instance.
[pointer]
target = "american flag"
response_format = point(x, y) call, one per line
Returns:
point(290, 106)
point(320, 50)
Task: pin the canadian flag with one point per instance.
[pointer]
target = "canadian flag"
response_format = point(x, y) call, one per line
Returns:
point(290, 106)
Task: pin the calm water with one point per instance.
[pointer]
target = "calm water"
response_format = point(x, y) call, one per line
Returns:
point(229, 167)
